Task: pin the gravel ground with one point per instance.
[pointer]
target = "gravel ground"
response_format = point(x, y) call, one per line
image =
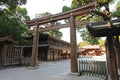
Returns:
point(54, 70)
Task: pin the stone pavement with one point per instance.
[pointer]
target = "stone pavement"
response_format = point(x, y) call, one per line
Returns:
point(54, 70)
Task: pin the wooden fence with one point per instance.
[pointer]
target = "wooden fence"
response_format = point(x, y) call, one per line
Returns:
point(93, 68)
point(11, 55)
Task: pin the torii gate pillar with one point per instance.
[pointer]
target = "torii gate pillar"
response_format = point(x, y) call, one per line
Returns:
point(34, 58)
point(73, 45)
point(111, 57)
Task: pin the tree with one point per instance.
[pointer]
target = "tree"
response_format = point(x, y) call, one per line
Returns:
point(22, 14)
point(105, 13)
point(97, 14)
point(11, 4)
point(102, 43)
point(84, 33)
point(55, 33)
point(65, 8)
point(81, 44)
point(12, 19)
point(116, 13)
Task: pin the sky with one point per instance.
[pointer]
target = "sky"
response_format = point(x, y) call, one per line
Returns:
point(54, 7)
point(41, 6)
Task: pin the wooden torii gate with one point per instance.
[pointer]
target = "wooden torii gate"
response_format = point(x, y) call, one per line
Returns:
point(51, 19)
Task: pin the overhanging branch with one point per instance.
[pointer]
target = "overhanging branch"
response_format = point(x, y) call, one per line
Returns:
point(105, 17)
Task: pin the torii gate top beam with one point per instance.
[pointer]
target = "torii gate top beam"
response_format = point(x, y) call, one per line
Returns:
point(75, 12)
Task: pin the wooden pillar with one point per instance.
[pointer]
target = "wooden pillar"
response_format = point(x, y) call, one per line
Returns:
point(66, 54)
point(34, 59)
point(112, 64)
point(21, 55)
point(53, 52)
point(37, 52)
point(117, 46)
point(3, 54)
point(58, 55)
point(73, 45)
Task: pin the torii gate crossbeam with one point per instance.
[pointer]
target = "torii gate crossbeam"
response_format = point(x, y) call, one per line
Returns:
point(75, 12)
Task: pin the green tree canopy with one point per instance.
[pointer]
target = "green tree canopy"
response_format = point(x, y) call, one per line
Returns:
point(84, 33)
point(116, 13)
point(81, 44)
point(100, 13)
point(12, 19)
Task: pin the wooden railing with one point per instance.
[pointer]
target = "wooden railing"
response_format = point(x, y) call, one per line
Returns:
point(11, 56)
point(93, 68)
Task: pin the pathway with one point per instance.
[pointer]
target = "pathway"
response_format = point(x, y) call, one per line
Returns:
point(54, 70)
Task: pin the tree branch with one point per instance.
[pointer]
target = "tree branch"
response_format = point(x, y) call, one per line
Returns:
point(105, 17)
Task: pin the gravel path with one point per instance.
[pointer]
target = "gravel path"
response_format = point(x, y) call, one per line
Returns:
point(54, 70)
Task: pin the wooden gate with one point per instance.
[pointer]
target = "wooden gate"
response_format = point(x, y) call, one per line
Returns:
point(11, 55)
point(93, 68)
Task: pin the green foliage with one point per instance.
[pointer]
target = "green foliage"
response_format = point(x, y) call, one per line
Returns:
point(75, 4)
point(84, 33)
point(116, 13)
point(11, 19)
point(22, 14)
point(100, 13)
point(105, 14)
point(12, 4)
point(87, 37)
point(81, 44)
point(65, 8)
point(40, 15)
point(78, 3)
point(102, 43)
point(96, 18)
point(55, 33)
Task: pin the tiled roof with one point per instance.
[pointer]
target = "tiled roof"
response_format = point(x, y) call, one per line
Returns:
point(8, 38)
point(91, 47)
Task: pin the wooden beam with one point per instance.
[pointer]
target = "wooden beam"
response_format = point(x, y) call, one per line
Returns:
point(58, 47)
point(54, 27)
point(73, 45)
point(106, 24)
point(77, 23)
point(35, 48)
point(75, 12)
point(111, 57)
point(102, 26)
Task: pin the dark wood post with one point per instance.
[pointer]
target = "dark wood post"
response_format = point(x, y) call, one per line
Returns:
point(3, 54)
point(37, 52)
point(66, 54)
point(58, 55)
point(53, 52)
point(112, 64)
point(117, 46)
point(73, 45)
point(21, 57)
point(35, 47)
